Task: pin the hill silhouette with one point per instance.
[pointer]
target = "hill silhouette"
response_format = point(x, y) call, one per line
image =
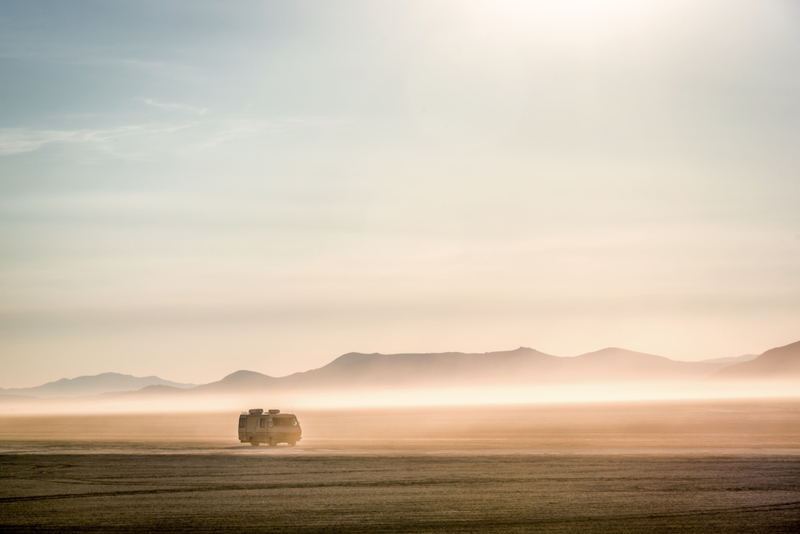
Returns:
point(238, 381)
point(733, 359)
point(92, 385)
point(355, 370)
point(780, 362)
point(615, 364)
point(521, 366)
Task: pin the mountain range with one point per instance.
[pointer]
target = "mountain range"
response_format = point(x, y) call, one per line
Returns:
point(520, 366)
point(780, 362)
point(515, 367)
point(93, 385)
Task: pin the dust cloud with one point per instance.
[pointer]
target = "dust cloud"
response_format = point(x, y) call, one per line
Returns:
point(708, 426)
point(691, 456)
point(690, 466)
point(443, 396)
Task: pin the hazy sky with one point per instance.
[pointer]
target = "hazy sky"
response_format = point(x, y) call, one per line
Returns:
point(188, 188)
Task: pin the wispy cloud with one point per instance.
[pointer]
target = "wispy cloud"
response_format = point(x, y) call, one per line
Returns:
point(88, 56)
point(19, 140)
point(175, 106)
point(244, 128)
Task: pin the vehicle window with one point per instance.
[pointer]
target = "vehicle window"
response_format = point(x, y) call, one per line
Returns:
point(285, 421)
point(242, 422)
point(261, 424)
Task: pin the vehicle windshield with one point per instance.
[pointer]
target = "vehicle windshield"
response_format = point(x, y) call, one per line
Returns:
point(285, 421)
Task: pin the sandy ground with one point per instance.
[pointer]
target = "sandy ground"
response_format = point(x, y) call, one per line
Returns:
point(684, 467)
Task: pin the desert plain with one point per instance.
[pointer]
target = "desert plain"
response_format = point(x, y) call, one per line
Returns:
point(682, 466)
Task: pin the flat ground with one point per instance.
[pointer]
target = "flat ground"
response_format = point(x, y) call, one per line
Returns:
point(683, 467)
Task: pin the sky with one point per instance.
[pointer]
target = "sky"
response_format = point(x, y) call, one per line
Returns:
point(190, 188)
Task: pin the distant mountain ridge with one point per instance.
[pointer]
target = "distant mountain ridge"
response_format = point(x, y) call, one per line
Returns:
point(93, 385)
point(514, 367)
point(778, 363)
point(733, 359)
point(520, 366)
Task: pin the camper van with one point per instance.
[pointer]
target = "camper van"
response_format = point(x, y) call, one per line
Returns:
point(273, 427)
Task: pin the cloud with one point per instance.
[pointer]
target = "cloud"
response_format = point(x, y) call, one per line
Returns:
point(240, 129)
point(19, 140)
point(175, 106)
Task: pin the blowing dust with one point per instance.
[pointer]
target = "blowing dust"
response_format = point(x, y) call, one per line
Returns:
point(713, 426)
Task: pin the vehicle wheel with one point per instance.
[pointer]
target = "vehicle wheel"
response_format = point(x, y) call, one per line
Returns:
point(292, 443)
point(271, 442)
point(254, 443)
